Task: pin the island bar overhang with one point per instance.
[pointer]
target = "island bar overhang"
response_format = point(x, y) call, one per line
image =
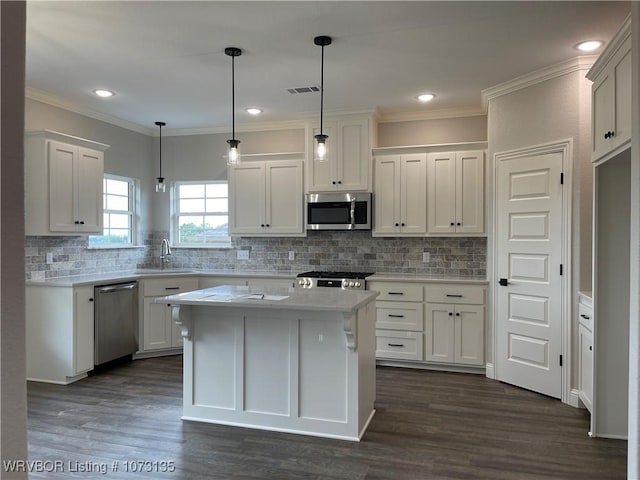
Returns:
point(305, 364)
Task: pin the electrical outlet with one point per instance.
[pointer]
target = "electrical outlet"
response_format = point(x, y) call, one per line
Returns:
point(49, 258)
point(242, 254)
point(292, 255)
point(426, 257)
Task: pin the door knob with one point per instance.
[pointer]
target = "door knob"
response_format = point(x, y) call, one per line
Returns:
point(503, 282)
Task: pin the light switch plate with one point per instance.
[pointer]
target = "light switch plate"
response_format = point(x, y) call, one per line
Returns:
point(49, 258)
point(426, 257)
point(242, 254)
point(292, 255)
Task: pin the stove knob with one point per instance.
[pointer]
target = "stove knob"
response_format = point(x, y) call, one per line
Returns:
point(357, 284)
point(301, 282)
point(352, 284)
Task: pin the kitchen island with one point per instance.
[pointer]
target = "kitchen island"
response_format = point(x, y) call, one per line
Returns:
point(290, 360)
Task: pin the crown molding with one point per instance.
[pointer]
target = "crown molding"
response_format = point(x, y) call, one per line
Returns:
point(412, 116)
point(253, 127)
point(572, 65)
point(53, 100)
point(614, 45)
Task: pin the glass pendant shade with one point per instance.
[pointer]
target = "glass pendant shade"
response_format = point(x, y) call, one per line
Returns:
point(233, 158)
point(161, 187)
point(321, 148)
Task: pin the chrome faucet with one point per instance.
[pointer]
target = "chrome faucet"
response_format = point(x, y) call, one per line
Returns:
point(165, 251)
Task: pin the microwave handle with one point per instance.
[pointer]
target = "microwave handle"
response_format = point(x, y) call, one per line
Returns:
point(353, 211)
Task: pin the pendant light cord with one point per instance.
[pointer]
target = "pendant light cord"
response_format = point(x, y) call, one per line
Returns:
point(160, 147)
point(233, 97)
point(321, 88)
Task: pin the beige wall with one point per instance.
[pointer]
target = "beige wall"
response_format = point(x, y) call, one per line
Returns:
point(427, 132)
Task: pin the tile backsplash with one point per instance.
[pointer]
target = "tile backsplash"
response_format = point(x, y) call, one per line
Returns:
point(347, 251)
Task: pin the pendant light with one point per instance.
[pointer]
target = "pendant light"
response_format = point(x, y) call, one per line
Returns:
point(234, 155)
point(321, 139)
point(160, 185)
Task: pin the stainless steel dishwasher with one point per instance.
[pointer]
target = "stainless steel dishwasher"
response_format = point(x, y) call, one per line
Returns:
point(116, 321)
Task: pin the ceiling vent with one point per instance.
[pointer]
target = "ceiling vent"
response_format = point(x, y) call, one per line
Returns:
point(303, 90)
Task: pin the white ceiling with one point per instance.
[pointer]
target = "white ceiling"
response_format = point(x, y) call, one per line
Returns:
point(165, 60)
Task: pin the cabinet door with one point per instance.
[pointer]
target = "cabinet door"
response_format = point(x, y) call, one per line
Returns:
point(622, 76)
point(90, 175)
point(585, 366)
point(413, 195)
point(83, 339)
point(284, 198)
point(386, 195)
point(158, 331)
point(353, 155)
point(441, 195)
point(246, 202)
point(469, 334)
point(602, 112)
point(322, 176)
point(439, 333)
point(176, 338)
point(62, 159)
point(469, 192)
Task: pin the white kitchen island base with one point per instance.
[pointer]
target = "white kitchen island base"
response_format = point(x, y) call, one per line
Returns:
point(304, 364)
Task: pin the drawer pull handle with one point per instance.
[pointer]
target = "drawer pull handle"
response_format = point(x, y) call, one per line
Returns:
point(454, 296)
point(586, 317)
point(395, 316)
point(396, 293)
point(172, 288)
point(590, 347)
point(396, 344)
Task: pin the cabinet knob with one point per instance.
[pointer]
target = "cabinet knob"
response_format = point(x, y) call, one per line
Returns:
point(77, 222)
point(81, 222)
point(339, 182)
point(402, 224)
point(268, 225)
point(451, 314)
point(457, 314)
point(397, 225)
point(458, 224)
point(262, 224)
point(609, 134)
point(452, 224)
point(334, 182)
point(590, 347)
point(91, 299)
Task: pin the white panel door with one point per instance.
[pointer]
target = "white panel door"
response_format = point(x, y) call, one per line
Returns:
point(529, 256)
point(386, 198)
point(62, 181)
point(439, 333)
point(469, 192)
point(413, 200)
point(354, 156)
point(246, 202)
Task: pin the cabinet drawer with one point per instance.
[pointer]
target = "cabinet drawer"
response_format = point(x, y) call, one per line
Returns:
point(449, 293)
point(397, 292)
point(585, 316)
point(399, 345)
point(400, 316)
point(168, 286)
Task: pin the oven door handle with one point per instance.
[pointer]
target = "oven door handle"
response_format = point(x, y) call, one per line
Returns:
point(353, 211)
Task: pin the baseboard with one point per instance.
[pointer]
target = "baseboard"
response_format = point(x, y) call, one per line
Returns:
point(574, 399)
point(491, 373)
point(432, 366)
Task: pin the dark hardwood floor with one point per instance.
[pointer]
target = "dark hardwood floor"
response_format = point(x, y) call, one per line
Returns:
point(428, 425)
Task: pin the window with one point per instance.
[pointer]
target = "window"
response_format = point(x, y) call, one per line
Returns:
point(118, 200)
point(201, 213)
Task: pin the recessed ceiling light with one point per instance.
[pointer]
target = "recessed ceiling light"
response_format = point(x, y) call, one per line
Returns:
point(101, 92)
point(589, 46)
point(426, 97)
point(254, 111)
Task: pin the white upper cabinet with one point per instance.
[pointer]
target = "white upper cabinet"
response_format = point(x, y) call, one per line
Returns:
point(348, 163)
point(611, 96)
point(266, 198)
point(455, 193)
point(400, 202)
point(63, 184)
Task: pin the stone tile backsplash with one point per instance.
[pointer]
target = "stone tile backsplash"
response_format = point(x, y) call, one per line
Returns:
point(345, 251)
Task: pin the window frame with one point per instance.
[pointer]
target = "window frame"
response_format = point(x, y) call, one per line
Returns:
point(132, 212)
point(222, 242)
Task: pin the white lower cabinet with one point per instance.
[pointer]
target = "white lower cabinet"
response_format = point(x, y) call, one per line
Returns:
point(585, 353)
point(454, 324)
point(158, 330)
point(430, 322)
point(59, 333)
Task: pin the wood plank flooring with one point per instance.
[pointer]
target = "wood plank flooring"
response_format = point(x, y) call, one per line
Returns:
point(428, 425)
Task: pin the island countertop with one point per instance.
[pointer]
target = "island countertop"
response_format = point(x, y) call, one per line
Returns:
point(273, 297)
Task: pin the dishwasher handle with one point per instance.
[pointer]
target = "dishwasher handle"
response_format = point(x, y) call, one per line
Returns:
point(117, 288)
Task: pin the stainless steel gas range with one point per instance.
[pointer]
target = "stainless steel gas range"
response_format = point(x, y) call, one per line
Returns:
point(342, 280)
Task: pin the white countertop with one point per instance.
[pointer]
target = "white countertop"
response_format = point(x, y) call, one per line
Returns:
point(262, 297)
point(143, 273)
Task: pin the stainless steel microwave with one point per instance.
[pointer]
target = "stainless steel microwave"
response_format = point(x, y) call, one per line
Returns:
point(338, 211)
